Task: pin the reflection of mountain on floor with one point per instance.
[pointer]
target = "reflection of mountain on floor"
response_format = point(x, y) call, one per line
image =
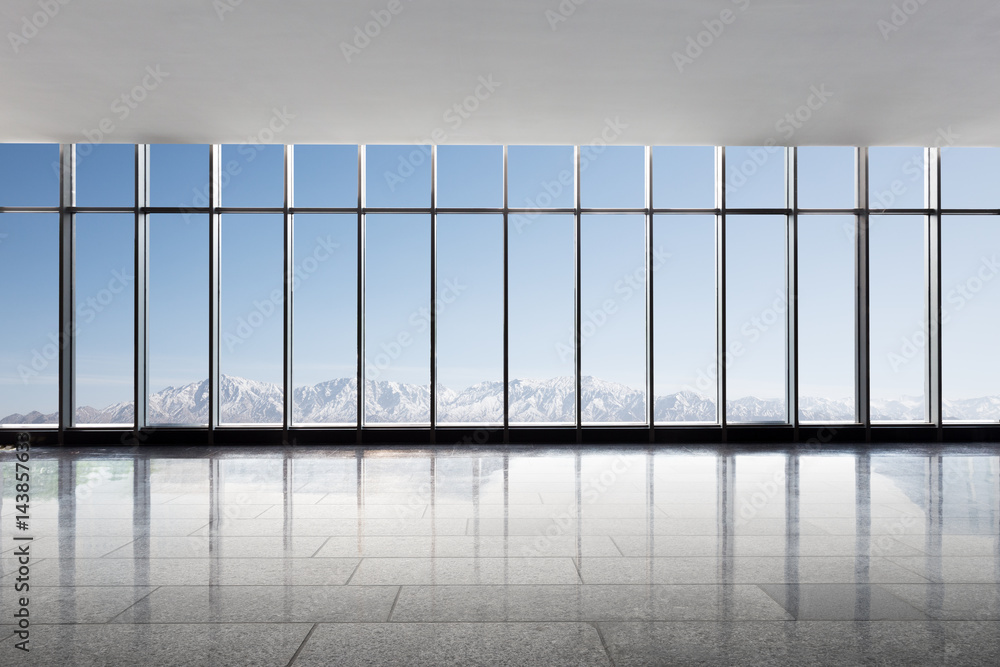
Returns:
point(531, 401)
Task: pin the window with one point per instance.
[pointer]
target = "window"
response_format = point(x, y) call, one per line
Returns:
point(104, 310)
point(251, 319)
point(325, 319)
point(756, 319)
point(542, 353)
point(600, 274)
point(397, 319)
point(470, 321)
point(683, 177)
point(896, 178)
point(685, 312)
point(29, 298)
point(897, 304)
point(398, 176)
point(970, 295)
point(613, 318)
point(178, 319)
point(826, 322)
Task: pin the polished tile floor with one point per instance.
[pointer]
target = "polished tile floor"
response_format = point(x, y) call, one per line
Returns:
point(631, 556)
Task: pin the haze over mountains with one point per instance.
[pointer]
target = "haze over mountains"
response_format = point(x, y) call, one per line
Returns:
point(244, 401)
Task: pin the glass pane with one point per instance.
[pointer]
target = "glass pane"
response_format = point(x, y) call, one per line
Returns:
point(684, 177)
point(613, 318)
point(898, 318)
point(397, 319)
point(178, 319)
point(252, 175)
point(252, 321)
point(325, 319)
point(470, 176)
point(105, 288)
point(895, 178)
point(686, 374)
point(756, 307)
point(326, 176)
point(29, 297)
point(541, 312)
point(826, 176)
point(29, 174)
point(826, 318)
point(105, 175)
point(398, 176)
point(970, 247)
point(470, 319)
point(970, 177)
point(540, 177)
point(755, 177)
point(612, 176)
point(178, 175)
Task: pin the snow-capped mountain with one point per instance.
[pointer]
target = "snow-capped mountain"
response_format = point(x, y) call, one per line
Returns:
point(244, 401)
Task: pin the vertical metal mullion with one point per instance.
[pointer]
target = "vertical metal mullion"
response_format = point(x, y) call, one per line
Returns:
point(214, 268)
point(67, 285)
point(650, 392)
point(862, 349)
point(141, 285)
point(577, 299)
point(289, 269)
point(933, 251)
point(720, 288)
point(506, 306)
point(360, 342)
point(433, 350)
point(792, 286)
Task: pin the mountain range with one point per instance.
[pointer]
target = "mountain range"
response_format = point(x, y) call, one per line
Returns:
point(244, 401)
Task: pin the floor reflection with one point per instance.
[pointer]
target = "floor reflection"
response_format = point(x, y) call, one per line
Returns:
point(606, 537)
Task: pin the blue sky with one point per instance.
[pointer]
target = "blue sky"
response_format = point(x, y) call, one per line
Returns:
point(470, 269)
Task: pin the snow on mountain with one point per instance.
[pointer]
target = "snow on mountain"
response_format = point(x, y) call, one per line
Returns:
point(244, 401)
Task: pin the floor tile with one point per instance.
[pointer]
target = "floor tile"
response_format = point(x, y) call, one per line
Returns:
point(446, 603)
point(175, 645)
point(197, 571)
point(71, 604)
point(951, 602)
point(458, 644)
point(263, 604)
point(221, 547)
point(841, 602)
point(478, 571)
point(803, 643)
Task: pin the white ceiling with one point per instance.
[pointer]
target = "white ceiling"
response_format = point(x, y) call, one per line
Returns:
point(227, 71)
